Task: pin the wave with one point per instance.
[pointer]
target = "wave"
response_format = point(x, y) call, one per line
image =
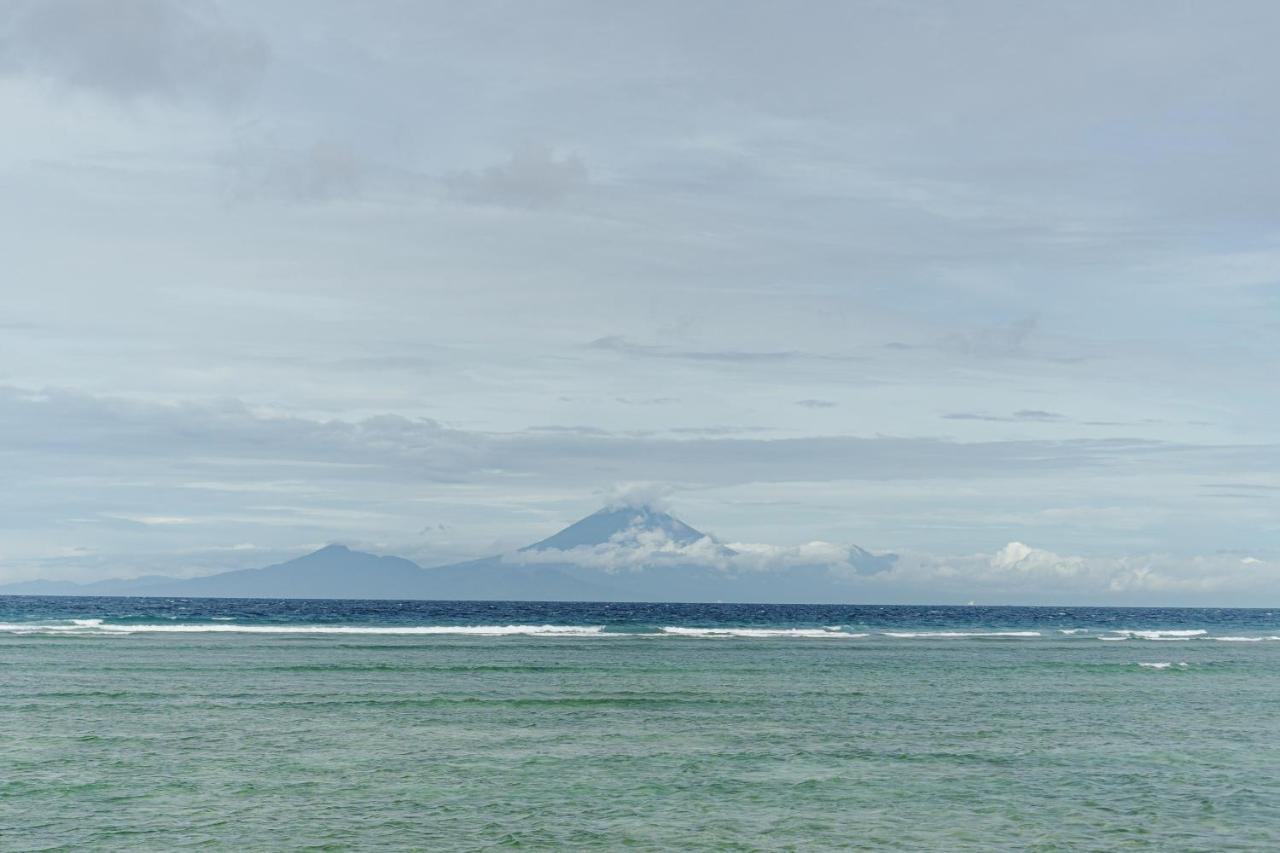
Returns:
point(920, 635)
point(759, 632)
point(1163, 636)
point(1163, 665)
point(90, 627)
point(101, 627)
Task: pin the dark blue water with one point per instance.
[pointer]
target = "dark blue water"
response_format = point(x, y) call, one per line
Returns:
point(635, 618)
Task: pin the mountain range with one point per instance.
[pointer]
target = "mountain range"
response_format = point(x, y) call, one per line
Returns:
point(617, 554)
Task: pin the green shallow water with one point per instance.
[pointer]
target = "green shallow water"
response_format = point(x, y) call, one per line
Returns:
point(226, 741)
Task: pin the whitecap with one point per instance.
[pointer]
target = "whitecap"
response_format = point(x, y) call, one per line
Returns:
point(957, 634)
point(758, 632)
point(228, 628)
point(1166, 636)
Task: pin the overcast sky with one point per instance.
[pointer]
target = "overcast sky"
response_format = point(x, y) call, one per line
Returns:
point(434, 278)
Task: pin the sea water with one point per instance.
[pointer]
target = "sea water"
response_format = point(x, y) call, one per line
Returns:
point(160, 724)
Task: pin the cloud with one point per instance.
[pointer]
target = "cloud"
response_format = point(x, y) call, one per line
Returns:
point(816, 404)
point(641, 495)
point(719, 430)
point(134, 50)
point(242, 474)
point(73, 425)
point(638, 548)
point(535, 176)
point(1022, 415)
point(646, 401)
point(625, 346)
point(1001, 341)
point(1017, 572)
point(1020, 572)
point(325, 171)
point(152, 520)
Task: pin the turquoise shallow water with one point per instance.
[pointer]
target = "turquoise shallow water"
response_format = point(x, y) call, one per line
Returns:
point(1032, 739)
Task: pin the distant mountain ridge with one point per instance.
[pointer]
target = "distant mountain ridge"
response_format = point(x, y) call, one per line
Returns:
point(558, 568)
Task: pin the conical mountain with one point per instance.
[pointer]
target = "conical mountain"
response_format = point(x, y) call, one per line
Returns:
point(612, 524)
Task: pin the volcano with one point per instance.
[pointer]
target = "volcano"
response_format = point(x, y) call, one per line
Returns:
point(620, 553)
point(615, 523)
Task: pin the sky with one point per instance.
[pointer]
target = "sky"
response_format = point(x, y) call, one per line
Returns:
point(436, 279)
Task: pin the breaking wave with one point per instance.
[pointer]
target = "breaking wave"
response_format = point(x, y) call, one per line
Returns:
point(918, 635)
point(97, 626)
point(1166, 636)
point(759, 632)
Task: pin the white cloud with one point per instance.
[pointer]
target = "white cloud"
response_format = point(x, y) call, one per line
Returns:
point(152, 520)
point(635, 548)
point(632, 550)
point(1015, 573)
point(639, 495)
point(1020, 572)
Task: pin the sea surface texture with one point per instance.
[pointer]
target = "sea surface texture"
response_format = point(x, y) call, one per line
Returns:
point(161, 724)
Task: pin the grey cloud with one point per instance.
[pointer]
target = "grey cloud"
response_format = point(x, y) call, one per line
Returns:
point(569, 430)
point(169, 50)
point(625, 346)
point(385, 362)
point(816, 404)
point(197, 475)
point(1020, 339)
point(17, 326)
point(646, 401)
point(718, 430)
point(1247, 496)
point(70, 425)
point(325, 171)
point(535, 176)
point(997, 341)
point(1251, 487)
point(1022, 415)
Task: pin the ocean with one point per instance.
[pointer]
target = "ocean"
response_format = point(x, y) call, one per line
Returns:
point(162, 724)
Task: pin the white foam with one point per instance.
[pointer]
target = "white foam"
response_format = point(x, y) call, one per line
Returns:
point(82, 627)
point(1162, 665)
point(759, 632)
point(917, 635)
point(1073, 630)
point(1165, 636)
point(1238, 639)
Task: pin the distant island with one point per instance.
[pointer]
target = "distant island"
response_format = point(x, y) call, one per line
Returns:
point(630, 553)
